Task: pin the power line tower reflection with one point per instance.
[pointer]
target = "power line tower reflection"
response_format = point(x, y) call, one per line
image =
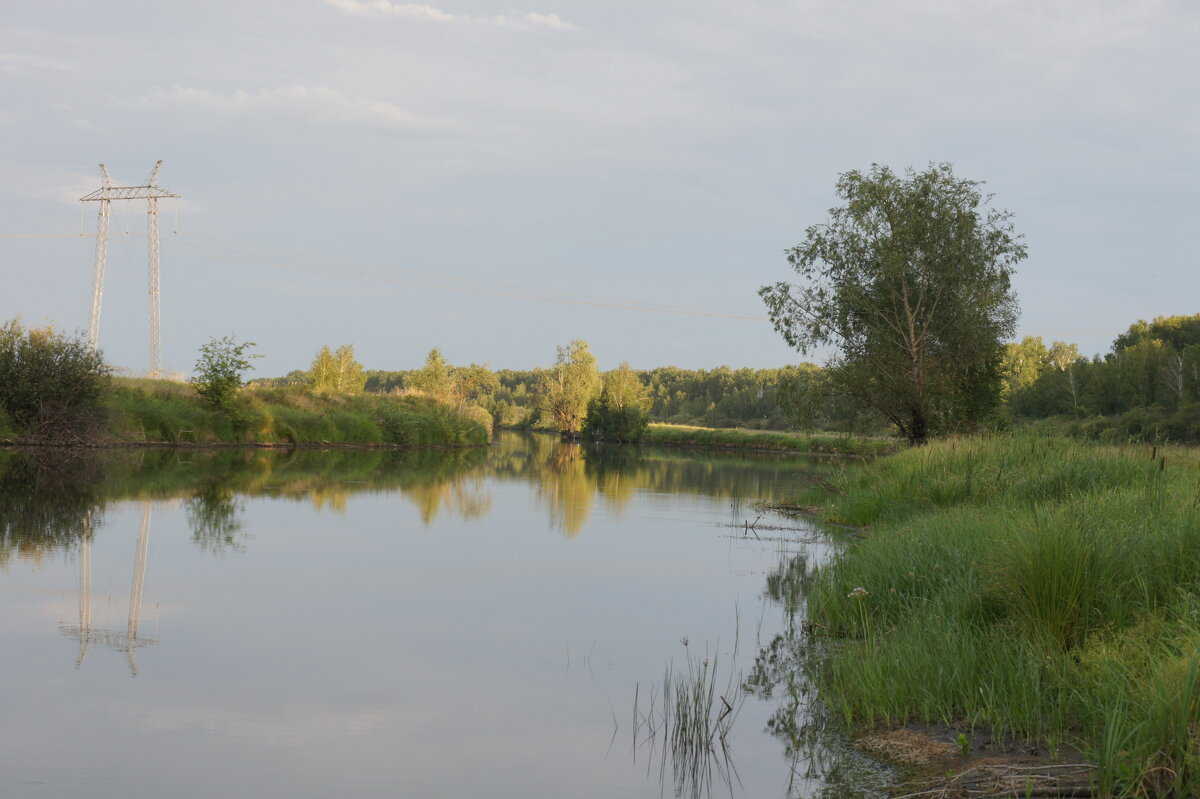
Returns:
point(128, 640)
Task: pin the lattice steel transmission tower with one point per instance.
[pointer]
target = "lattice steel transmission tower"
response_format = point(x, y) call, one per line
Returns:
point(150, 192)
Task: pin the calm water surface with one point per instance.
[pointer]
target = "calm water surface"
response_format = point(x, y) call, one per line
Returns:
point(376, 624)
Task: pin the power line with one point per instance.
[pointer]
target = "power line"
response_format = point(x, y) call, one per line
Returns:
point(297, 260)
point(47, 235)
point(300, 261)
point(245, 252)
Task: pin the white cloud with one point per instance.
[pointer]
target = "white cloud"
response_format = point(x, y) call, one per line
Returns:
point(313, 104)
point(515, 21)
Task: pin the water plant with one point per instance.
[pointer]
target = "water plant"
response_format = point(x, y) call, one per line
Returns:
point(690, 723)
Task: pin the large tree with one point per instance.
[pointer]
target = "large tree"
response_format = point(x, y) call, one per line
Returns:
point(909, 282)
point(434, 378)
point(566, 388)
point(621, 412)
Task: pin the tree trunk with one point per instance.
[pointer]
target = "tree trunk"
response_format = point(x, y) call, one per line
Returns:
point(918, 428)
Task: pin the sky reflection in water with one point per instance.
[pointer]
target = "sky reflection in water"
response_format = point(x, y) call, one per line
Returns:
point(462, 623)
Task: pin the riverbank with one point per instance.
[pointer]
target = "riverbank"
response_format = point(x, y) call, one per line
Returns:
point(765, 440)
point(164, 412)
point(1035, 588)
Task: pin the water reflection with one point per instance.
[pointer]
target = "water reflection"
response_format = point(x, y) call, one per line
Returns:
point(51, 499)
point(215, 516)
point(821, 762)
point(48, 500)
point(129, 640)
point(386, 662)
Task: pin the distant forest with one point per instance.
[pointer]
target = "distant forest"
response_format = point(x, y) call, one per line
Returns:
point(788, 398)
point(1147, 387)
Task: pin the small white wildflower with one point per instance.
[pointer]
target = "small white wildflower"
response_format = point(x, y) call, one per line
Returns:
point(858, 593)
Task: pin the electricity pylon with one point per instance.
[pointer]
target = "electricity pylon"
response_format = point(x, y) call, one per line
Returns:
point(150, 192)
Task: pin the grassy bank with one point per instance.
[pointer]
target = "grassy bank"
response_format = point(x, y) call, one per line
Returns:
point(740, 438)
point(160, 411)
point(1044, 588)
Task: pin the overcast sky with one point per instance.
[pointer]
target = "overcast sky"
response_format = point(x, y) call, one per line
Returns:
point(403, 176)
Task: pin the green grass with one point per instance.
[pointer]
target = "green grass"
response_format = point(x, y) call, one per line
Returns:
point(1045, 588)
point(161, 411)
point(739, 438)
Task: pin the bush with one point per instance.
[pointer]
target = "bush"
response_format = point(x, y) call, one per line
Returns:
point(219, 370)
point(51, 384)
point(607, 422)
point(480, 416)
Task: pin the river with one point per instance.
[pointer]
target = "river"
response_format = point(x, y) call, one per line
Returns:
point(477, 623)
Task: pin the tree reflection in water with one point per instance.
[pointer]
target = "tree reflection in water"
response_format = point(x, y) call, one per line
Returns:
point(54, 500)
point(49, 499)
point(821, 761)
point(214, 515)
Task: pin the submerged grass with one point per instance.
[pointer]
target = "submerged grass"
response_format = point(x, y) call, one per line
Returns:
point(161, 411)
point(724, 438)
point(1044, 588)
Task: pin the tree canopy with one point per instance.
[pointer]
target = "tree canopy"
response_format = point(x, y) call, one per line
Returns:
point(909, 282)
point(219, 370)
point(1178, 332)
point(434, 377)
point(621, 412)
point(566, 388)
point(336, 372)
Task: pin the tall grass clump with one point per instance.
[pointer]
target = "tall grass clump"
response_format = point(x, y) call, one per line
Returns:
point(1044, 588)
point(1018, 470)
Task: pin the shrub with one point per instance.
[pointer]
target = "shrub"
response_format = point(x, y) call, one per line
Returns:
point(608, 422)
point(480, 416)
point(219, 370)
point(51, 384)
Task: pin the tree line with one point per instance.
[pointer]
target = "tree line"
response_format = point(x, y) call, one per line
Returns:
point(787, 398)
point(1146, 387)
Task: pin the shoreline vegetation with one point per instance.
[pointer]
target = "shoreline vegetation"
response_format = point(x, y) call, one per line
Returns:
point(171, 413)
point(1025, 587)
point(149, 412)
point(671, 435)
